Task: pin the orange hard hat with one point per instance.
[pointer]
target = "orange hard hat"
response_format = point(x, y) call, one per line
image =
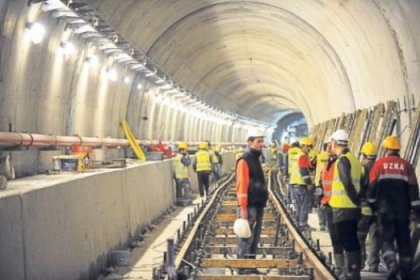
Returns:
point(392, 142)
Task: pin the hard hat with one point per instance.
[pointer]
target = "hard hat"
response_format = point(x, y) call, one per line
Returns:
point(341, 137)
point(182, 145)
point(202, 145)
point(294, 139)
point(285, 148)
point(241, 228)
point(392, 142)
point(307, 141)
point(369, 149)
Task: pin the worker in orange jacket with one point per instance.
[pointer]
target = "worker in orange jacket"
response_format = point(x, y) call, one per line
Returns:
point(252, 196)
point(327, 177)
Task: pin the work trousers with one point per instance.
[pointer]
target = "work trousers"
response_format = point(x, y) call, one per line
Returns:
point(322, 215)
point(203, 182)
point(362, 232)
point(375, 243)
point(303, 203)
point(347, 235)
point(247, 247)
point(217, 168)
point(290, 195)
point(183, 188)
point(398, 230)
point(337, 247)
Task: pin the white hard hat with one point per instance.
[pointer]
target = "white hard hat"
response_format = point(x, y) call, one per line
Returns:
point(241, 228)
point(294, 139)
point(341, 137)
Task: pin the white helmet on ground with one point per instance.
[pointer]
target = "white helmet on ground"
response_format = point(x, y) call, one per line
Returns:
point(341, 137)
point(241, 228)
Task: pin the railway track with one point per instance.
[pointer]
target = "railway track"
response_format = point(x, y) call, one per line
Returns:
point(205, 247)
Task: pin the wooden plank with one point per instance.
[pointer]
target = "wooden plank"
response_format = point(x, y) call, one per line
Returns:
point(250, 263)
point(232, 217)
point(229, 231)
point(253, 277)
point(229, 223)
point(231, 250)
point(234, 240)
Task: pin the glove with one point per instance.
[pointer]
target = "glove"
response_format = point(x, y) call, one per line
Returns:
point(366, 210)
point(318, 191)
point(244, 213)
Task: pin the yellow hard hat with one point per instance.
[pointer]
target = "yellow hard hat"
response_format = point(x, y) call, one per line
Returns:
point(369, 149)
point(182, 145)
point(202, 145)
point(392, 142)
point(306, 141)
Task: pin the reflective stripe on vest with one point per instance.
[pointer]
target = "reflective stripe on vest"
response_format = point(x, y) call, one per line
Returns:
point(295, 177)
point(321, 159)
point(339, 197)
point(291, 155)
point(181, 171)
point(203, 161)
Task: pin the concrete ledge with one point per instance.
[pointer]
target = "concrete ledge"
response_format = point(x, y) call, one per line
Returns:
point(64, 226)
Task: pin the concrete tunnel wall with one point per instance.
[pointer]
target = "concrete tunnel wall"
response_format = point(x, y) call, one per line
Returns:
point(322, 59)
point(64, 227)
point(43, 91)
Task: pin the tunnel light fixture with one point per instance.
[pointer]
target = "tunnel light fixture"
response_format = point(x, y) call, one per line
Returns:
point(67, 48)
point(111, 74)
point(127, 80)
point(36, 32)
point(93, 60)
point(139, 86)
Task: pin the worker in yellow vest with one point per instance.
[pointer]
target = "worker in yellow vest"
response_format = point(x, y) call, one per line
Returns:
point(288, 163)
point(180, 166)
point(203, 166)
point(216, 159)
point(321, 159)
point(369, 152)
point(302, 184)
point(345, 203)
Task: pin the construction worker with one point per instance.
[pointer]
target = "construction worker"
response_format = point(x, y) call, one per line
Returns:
point(321, 159)
point(252, 195)
point(288, 163)
point(217, 162)
point(301, 181)
point(394, 193)
point(369, 152)
point(282, 156)
point(345, 202)
point(327, 177)
point(203, 166)
point(180, 165)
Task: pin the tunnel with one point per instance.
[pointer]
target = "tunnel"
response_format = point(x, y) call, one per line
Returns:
point(73, 71)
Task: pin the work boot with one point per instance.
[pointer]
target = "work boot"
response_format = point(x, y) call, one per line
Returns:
point(353, 265)
point(339, 264)
point(392, 265)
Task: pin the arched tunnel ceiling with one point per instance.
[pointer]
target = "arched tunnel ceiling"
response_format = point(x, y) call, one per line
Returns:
point(260, 58)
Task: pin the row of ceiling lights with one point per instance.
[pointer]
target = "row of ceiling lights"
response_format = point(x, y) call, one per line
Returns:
point(169, 94)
